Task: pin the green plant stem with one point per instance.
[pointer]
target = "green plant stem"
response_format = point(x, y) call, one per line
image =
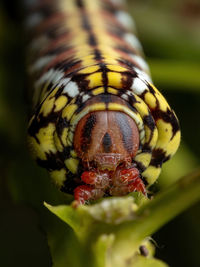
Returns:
point(152, 216)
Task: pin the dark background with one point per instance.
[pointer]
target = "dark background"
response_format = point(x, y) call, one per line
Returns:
point(169, 32)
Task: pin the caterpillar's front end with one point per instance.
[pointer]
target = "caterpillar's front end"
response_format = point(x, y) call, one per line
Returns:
point(107, 141)
point(99, 125)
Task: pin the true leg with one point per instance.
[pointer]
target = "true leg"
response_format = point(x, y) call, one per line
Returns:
point(99, 180)
point(83, 193)
point(126, 181)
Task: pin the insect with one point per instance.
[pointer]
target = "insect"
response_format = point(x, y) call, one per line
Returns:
point(98, 125)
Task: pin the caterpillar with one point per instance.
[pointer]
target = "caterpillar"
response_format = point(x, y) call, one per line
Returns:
point(98, 125)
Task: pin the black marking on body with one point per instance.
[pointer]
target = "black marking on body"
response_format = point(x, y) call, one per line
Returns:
point(53, 161)
point(125, 131)
point(82, 83)
point(129, 65)
point(140, 166)
point(68, 65)
point(146, 148)
point(131, 100)
point(148, 120)
point(40, 123)
point(168, 117)
point(86, 26)
point(158, 157)
point(72, 181)
point(152, 91)
point(127, 80)
point(104, 70)
point(86, 135)
point(85, 23)
point(97, 55)
point(92, 40)
point(126, 63)
point(106, 98)
point(107, 143)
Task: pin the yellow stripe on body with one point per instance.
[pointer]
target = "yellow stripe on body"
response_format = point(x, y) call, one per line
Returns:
point(150, 99)
point(98, 91)
point(112, 91)
point(68, 111)
point(143, 110)
point(60, 103)
point(166, 141)
point(89, 70)
point(95, 79)
point(58, 176)
point(151, 174)
point(143, 158)
point(116, 68)
point(80, 36)
point(46, 144)
point(72, 164)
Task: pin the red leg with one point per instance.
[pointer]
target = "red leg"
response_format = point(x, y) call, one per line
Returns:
point(137, 185)
point(126, 181)
point(128, 175)
point(99, 180)
point(83, 193)
point(89, 177)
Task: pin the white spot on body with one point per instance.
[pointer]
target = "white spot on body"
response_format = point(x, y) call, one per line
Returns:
point(125, 19)
point(40, 63)
point(85, 98)
point(64, 81)
point(124, 96)
point(133, 41)
point(57, 75)
point(71, 89)
point(138, 86)
point(143, 75)
point(140, 62)
point(51, 76)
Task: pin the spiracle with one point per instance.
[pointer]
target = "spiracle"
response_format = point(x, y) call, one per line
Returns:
point(98, 125)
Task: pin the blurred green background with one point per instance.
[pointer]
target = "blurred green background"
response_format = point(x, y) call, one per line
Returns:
point(169, 32)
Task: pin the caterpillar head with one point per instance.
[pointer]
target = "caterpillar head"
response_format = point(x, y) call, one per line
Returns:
point(106, 139)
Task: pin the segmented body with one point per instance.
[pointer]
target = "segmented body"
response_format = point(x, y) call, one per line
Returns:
point(83, 58)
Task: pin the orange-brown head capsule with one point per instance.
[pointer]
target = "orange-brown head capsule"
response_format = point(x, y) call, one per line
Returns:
point(106, 142)
point(105, 139)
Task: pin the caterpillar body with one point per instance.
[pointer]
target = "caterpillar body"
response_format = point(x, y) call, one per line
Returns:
point(98, 125)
